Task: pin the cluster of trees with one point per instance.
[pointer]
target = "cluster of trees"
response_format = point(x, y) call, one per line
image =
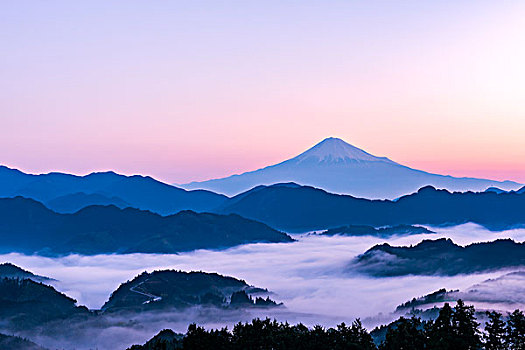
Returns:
point(241, 298)
point(454, 329)
point(265, 334)
point(457, 329)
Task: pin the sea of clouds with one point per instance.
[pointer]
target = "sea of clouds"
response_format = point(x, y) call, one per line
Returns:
point(311, 276)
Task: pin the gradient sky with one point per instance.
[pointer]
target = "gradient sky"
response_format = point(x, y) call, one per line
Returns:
point(190, 90)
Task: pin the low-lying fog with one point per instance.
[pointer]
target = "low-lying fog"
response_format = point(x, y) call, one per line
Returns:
point(310, 276)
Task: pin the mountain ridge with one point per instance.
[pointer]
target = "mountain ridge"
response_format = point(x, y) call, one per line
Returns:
point(58, 190)
point(294, 208)
point(28, 226)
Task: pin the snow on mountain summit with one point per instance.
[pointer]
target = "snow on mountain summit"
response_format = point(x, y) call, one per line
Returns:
point(338, 167)
point(333, 149)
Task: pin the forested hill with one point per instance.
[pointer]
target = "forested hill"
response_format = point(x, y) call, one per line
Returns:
point(9, 342)
point(28, 226)
point(8, 270)
point(385, 232)
point(178, 289)
point(25, 304)
point(295, 208)
point(440, 257)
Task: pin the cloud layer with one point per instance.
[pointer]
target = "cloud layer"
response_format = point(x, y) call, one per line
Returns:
point(311, 276)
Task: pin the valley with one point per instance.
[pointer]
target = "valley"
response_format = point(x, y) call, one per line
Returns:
point(312, 277)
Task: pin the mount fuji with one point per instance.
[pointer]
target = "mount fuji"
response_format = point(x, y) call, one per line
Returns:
point(338, 167)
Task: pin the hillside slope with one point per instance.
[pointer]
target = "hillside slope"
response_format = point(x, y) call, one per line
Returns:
point(28, 226)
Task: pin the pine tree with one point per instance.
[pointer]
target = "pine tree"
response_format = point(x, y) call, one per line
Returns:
point(495, 332)
point(406, 334)
point(360, 338)
point(466, 330)
point(516, 330)
point(441, 333)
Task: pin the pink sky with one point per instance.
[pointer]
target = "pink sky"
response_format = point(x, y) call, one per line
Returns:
point(206, 89)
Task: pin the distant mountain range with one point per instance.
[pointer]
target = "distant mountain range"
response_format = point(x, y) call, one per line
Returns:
point(28, 226)
point(332, 165)
point(338, 167)
point(295, 208)
point(499, 190)
point(255, 216)
point(440, 257)
point(111, 213)
point(67, 193)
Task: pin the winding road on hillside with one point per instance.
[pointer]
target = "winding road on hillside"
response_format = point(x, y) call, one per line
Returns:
point(152, 297)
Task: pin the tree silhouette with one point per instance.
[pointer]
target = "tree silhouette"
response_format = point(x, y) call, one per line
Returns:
point(407, 334)
point(495, 332)
point(454, 329)
point(441, 333)
point(465, 327)
point(516, 330)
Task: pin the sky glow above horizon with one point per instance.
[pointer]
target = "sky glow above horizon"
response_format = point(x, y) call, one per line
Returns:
point(203, 89)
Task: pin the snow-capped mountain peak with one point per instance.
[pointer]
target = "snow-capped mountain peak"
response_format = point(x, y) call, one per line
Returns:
point(333, 149)
point(338, 167)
